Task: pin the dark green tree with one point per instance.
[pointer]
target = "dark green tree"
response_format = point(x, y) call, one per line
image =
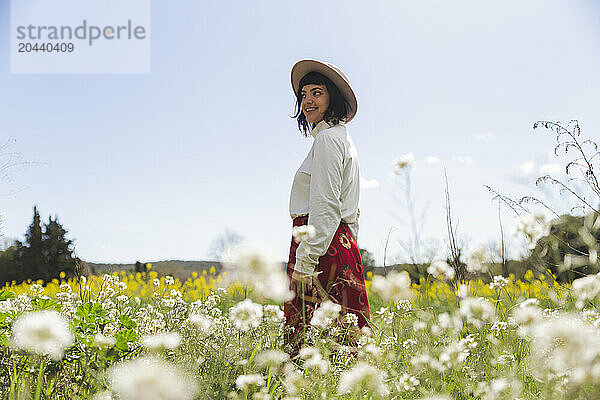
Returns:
point(8, 273)
point(29, 260)
point(44, 253)
point(572, 237)
point(57, 250)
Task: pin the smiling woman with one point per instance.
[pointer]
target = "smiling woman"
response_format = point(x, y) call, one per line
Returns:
point(341, 102)
point(324, 265)
point(315, 101)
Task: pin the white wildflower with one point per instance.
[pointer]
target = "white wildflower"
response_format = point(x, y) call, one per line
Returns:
point(407, 383)
point(404, 305)
point(263, 394)
point(533, 302)
point(274, 286)
point(271, 359)
point(64, 287)
point(169, 280)
point(370, 351)
point(110, 279)
point(469, 342)
point(273, 314)
point(409, 344)
point(102, 341)
point(566, 344)
point(591, 316)
point(394, 287)
point(350, 319)
point(168, 302)
point(104, 395)
point(150, 378)
point(585, 289)
point(386, 315)
point(477, 311)
point(203, 323)
point(462, 291)
point(325, 314)
point(42, 332)
point(551, 313)
point(452, 355)
point(526, 316)
point(36, 289)
point(403, 162)
point(505, 358)
point(500, 388)
point(294, 381)
point(111, 329)
point(313, 359)
point(477, 260)
point(303, 232)
point(162, 341)
point(254, 267)
point(498, 282)
point(447, 323)
point(533, 227)
point(244, 382)
point(425, 361)
point(246, 315)
point(122, 299)
point(363, 377)
point(247, 263)
point(441, 269)
point(498, 327)
point(419, 325)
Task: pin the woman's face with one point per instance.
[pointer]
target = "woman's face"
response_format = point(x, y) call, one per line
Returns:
point(315, 101)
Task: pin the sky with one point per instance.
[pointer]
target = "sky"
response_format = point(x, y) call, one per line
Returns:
point(157, 166)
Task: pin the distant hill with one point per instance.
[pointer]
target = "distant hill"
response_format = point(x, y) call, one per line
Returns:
point(177, 268)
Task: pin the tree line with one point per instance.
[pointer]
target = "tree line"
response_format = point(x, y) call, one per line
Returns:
point(44, 254)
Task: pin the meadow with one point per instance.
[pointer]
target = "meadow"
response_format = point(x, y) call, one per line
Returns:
point(140, 336)
point(458, 330)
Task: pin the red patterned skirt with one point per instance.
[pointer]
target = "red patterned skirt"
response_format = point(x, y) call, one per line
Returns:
point(341, 280)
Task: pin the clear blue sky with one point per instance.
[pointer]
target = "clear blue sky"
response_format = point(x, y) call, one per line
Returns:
point(155, 166)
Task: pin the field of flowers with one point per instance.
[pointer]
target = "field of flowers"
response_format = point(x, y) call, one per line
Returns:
point(147, 337)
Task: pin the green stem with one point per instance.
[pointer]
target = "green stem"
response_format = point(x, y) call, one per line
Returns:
point(303, 314)
point(40, 381)
point(13, 381)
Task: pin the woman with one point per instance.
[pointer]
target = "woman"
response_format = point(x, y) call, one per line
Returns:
point(325, 194)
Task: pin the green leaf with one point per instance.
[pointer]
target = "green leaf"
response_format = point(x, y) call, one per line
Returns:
point(46, 304)
point(90, 311)
point(127, 322)
point(128, 335)
point(123, 337)
point(5, 295)
point(89, 316)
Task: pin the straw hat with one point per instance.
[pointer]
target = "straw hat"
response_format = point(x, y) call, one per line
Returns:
point(331, 71)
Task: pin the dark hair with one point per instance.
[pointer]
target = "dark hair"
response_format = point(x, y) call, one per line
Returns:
point(338, 106)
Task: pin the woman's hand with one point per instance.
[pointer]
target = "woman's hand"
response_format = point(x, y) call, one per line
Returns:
point(302, 283)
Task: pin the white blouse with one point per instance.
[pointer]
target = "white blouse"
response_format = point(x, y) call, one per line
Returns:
point(327, 188)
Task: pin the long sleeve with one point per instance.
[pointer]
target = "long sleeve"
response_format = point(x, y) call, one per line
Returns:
point(354, 227)
point(325, 204)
